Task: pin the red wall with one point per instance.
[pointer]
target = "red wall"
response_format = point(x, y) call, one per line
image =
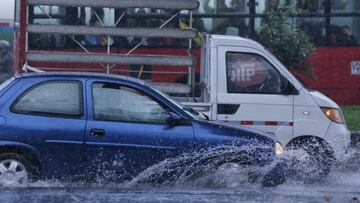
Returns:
point(332, 68)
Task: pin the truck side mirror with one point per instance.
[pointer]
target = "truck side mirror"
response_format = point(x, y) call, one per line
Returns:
point(284, 84)
point(287, 88)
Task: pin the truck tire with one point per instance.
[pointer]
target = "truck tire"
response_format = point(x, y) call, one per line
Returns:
point(15, 170)
point(309, 160)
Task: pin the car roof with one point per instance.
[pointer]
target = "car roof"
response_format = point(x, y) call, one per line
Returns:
point(80, 74)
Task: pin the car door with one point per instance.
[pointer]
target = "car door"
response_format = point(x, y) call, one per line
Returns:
point(252, 93)
point(126, 130)
point(48, 115)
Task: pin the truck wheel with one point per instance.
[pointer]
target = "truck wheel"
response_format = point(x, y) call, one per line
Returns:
point(309, 160)
point(15, 170)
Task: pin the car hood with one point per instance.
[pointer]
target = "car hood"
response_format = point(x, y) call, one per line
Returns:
point(221, 129)
point(323, 100)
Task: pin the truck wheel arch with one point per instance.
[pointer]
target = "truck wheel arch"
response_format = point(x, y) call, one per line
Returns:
point(310, 138)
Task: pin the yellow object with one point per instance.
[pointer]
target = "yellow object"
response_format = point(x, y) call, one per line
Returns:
point(140, 71)
point(198, 38)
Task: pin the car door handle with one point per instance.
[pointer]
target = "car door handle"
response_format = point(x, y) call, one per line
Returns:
point(97, 132)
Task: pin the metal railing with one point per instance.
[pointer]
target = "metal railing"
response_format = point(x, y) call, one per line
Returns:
point(109, 60)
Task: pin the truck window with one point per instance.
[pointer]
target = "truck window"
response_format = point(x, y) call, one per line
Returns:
point(252, 74)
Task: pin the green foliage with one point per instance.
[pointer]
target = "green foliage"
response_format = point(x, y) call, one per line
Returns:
point(352, 117)
point(292, 47)
point(8, 36)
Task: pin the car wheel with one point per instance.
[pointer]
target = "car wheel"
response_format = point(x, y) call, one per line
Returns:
point(14, 170)
point(309, 161)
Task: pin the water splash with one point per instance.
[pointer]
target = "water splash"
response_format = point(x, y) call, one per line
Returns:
point(226, 167)
point(350, 162)
point(303, 168)
point(220, 167)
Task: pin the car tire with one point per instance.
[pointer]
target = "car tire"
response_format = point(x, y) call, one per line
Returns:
point(15, 170)
point(310, 160)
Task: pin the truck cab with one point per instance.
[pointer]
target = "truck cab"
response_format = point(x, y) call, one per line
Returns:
point(244, 84)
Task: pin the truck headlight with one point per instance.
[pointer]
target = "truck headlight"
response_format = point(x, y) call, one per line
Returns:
point(333, 114)
point(279, 150)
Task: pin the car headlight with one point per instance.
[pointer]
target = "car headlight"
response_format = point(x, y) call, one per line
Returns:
point(333, 114)
point(279, 150)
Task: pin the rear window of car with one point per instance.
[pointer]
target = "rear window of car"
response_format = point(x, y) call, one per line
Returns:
point(53, 98)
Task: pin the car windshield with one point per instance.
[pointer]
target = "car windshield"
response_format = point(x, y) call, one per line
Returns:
point(192, 112)
point(167, 97)
point(196, 114)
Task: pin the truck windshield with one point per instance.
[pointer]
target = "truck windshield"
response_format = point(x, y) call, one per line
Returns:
point(303, 83)
point(297, 78)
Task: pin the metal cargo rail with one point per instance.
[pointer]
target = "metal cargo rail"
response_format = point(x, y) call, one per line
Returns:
point(109, 60)
point(65, 57)
point(158, 4)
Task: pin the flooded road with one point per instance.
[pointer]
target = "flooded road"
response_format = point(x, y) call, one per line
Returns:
point(338, 187)
point(342, 185)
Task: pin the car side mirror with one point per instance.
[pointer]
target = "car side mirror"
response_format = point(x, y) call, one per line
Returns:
point(173, 119)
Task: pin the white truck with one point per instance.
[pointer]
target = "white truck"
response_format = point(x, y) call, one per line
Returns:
point(241, 82)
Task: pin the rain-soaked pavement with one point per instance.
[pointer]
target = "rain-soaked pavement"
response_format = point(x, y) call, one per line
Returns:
point(342, 185)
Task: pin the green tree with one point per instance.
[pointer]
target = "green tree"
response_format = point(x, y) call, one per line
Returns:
point(291, 47)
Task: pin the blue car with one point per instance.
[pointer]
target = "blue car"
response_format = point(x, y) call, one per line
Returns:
point(83, 125)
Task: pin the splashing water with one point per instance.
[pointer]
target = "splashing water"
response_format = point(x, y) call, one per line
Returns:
point(226, 167)
point(219, 167)
point(228, 182)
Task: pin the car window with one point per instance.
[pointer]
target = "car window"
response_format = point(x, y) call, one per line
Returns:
point(113, 102)
point(251, 73)
point(55, 98)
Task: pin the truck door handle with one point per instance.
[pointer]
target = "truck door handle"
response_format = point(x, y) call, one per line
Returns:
point(97, 132)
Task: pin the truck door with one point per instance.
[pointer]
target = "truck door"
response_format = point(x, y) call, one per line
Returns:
point(250, 92)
